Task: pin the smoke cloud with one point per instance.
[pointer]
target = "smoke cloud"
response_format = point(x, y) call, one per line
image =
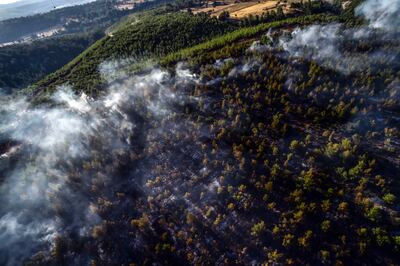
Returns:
point(48, 138)
point(332, 45)
point(47, 152)
point(382, 14)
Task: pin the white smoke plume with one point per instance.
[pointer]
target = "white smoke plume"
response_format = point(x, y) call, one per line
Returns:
point(46, 145)
point(382, 14)
point(47, 138)
point(258, 47)
point(326, 44)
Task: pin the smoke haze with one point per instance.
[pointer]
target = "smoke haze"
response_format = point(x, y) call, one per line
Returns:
point(328, 44)
point(41, 200)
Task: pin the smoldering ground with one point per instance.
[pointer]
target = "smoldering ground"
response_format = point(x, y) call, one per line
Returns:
point(58, 159)
point(332, 45)
point(69, 162)
point(369, 48)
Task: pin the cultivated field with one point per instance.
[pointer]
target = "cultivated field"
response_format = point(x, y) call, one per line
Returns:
point(238, 10)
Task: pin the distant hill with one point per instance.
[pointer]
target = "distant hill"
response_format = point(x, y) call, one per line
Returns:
point(22, 64)
point(30, 7)
point(83, 18)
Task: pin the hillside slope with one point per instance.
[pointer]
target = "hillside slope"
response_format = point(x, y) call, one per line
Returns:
point(23, 64)
point(277, 144)
point(149, 36)
point(160, 38)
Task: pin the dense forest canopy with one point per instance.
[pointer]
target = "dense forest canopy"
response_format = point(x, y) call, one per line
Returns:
point(147, 36)
point(182, 139)
point(24, 64)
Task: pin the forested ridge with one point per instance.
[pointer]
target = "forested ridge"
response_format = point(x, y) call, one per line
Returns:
point(24, 64)
point(182, 139)
point(148, 36)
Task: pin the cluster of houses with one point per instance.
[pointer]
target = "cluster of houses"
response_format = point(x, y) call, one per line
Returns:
point(36, 36)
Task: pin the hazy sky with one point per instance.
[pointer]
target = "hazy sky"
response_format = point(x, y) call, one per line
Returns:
point(2, 2)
